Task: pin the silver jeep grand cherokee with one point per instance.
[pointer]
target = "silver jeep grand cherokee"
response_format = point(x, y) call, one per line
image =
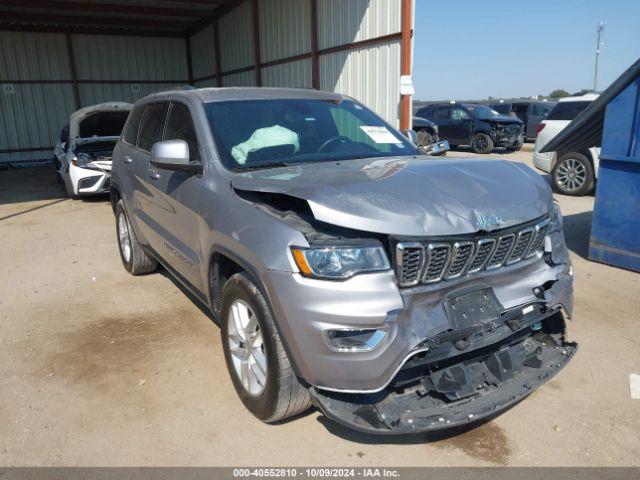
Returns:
point(395, 291)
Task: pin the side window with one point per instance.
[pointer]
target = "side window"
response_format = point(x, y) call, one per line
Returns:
point(180, 127)
point(539, 109)
point(152, 125)
point(442, 113)
point(130, 130)
point(458, 113)
point(426, 112)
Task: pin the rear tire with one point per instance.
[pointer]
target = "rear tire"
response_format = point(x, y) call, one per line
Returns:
point(573, 175)
point(134, 259)
point(482, 143)
point(256, 359)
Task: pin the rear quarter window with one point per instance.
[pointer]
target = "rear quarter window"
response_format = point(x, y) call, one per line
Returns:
point(567, 110)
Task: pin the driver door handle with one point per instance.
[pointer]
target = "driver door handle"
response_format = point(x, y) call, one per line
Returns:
point(153, 174)
point(127, 159)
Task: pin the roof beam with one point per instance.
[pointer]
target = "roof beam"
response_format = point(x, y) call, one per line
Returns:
point(127, 32)
point(26, 18)
point(220, 12)
point(77, 7)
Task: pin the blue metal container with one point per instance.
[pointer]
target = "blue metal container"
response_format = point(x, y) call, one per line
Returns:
point(615, 232)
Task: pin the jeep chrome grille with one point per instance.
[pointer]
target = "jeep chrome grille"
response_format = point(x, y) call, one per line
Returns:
point(430, 262)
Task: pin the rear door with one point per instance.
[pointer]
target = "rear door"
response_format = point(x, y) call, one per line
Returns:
point(442, 117)
point(150, 132)
point(123, 168)
point(460, 125)
point(537, 113)
point(172, 203)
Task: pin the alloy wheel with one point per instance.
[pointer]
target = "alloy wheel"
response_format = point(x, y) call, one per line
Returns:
point(124, 237)
point(480, 143)
point(571, 175)
point(247, 348)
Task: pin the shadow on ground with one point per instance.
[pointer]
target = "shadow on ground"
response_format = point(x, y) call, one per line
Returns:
point(577, 229)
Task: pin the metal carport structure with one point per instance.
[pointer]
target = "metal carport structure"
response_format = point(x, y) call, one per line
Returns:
point(59, 55)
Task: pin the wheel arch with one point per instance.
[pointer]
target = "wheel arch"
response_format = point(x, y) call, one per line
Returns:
point(222, 265)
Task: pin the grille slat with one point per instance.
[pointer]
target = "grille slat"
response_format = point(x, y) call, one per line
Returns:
point(502, 251)
point(462, 253)
point(522, 245)
point(418, 262)
point(410, 257)
point(437, 259)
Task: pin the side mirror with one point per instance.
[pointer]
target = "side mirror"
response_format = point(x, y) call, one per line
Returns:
point(411, 135)
point(173, 155)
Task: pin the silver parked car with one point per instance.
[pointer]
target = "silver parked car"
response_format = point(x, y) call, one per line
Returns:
point(395, 291)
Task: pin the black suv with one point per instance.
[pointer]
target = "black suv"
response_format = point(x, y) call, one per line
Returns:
point(479, 126)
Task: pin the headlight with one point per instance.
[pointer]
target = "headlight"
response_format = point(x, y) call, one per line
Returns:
point(81, 160)
point(339, 262)
point(555, 217)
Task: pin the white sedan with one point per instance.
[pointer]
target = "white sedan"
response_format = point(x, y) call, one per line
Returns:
point(82, 156)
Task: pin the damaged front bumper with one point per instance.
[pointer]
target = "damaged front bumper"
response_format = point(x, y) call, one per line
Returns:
point(430, 394)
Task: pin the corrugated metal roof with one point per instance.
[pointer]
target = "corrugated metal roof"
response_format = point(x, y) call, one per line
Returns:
point(110, 16)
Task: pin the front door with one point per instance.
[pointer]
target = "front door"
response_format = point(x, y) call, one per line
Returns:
point(460, 126)
point(172, 206)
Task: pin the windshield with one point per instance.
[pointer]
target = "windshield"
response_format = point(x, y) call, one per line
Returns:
point(481, 111)
point(258, 133)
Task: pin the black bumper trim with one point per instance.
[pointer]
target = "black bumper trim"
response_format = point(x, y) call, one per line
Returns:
point(389, 412)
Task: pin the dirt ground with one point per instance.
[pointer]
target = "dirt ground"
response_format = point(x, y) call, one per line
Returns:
point(101, 368)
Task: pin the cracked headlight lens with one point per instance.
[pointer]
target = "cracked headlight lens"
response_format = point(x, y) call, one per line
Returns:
point(81, 160)
point(340, 262)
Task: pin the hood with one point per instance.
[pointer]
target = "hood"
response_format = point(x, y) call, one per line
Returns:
point(504, 119)
point(411, 196)
point(102, 120)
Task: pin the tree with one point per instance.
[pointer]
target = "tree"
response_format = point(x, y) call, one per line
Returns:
point(559, 93)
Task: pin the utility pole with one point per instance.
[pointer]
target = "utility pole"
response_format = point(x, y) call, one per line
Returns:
point(599, 43)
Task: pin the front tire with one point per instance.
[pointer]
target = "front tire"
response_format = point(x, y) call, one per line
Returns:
point(517, 145)
point(134, 259)
point(257, 362)
point(573, 175)
point(482, 143)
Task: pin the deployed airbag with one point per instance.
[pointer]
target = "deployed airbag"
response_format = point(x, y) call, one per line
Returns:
point(274, 136)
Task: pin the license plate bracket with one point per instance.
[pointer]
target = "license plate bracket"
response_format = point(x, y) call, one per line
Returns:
point(473, 308)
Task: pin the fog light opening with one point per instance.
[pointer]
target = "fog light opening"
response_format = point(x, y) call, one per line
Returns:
point(361, 340)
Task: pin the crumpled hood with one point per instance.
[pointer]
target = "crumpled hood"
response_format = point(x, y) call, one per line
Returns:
point(504, 119)
point(411, 196)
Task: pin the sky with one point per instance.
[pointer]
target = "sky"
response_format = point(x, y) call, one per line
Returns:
point(473, 49)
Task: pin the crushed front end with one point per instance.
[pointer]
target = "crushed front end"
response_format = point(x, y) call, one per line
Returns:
point(460, 377)
point(487, 342)
point(506, 134)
